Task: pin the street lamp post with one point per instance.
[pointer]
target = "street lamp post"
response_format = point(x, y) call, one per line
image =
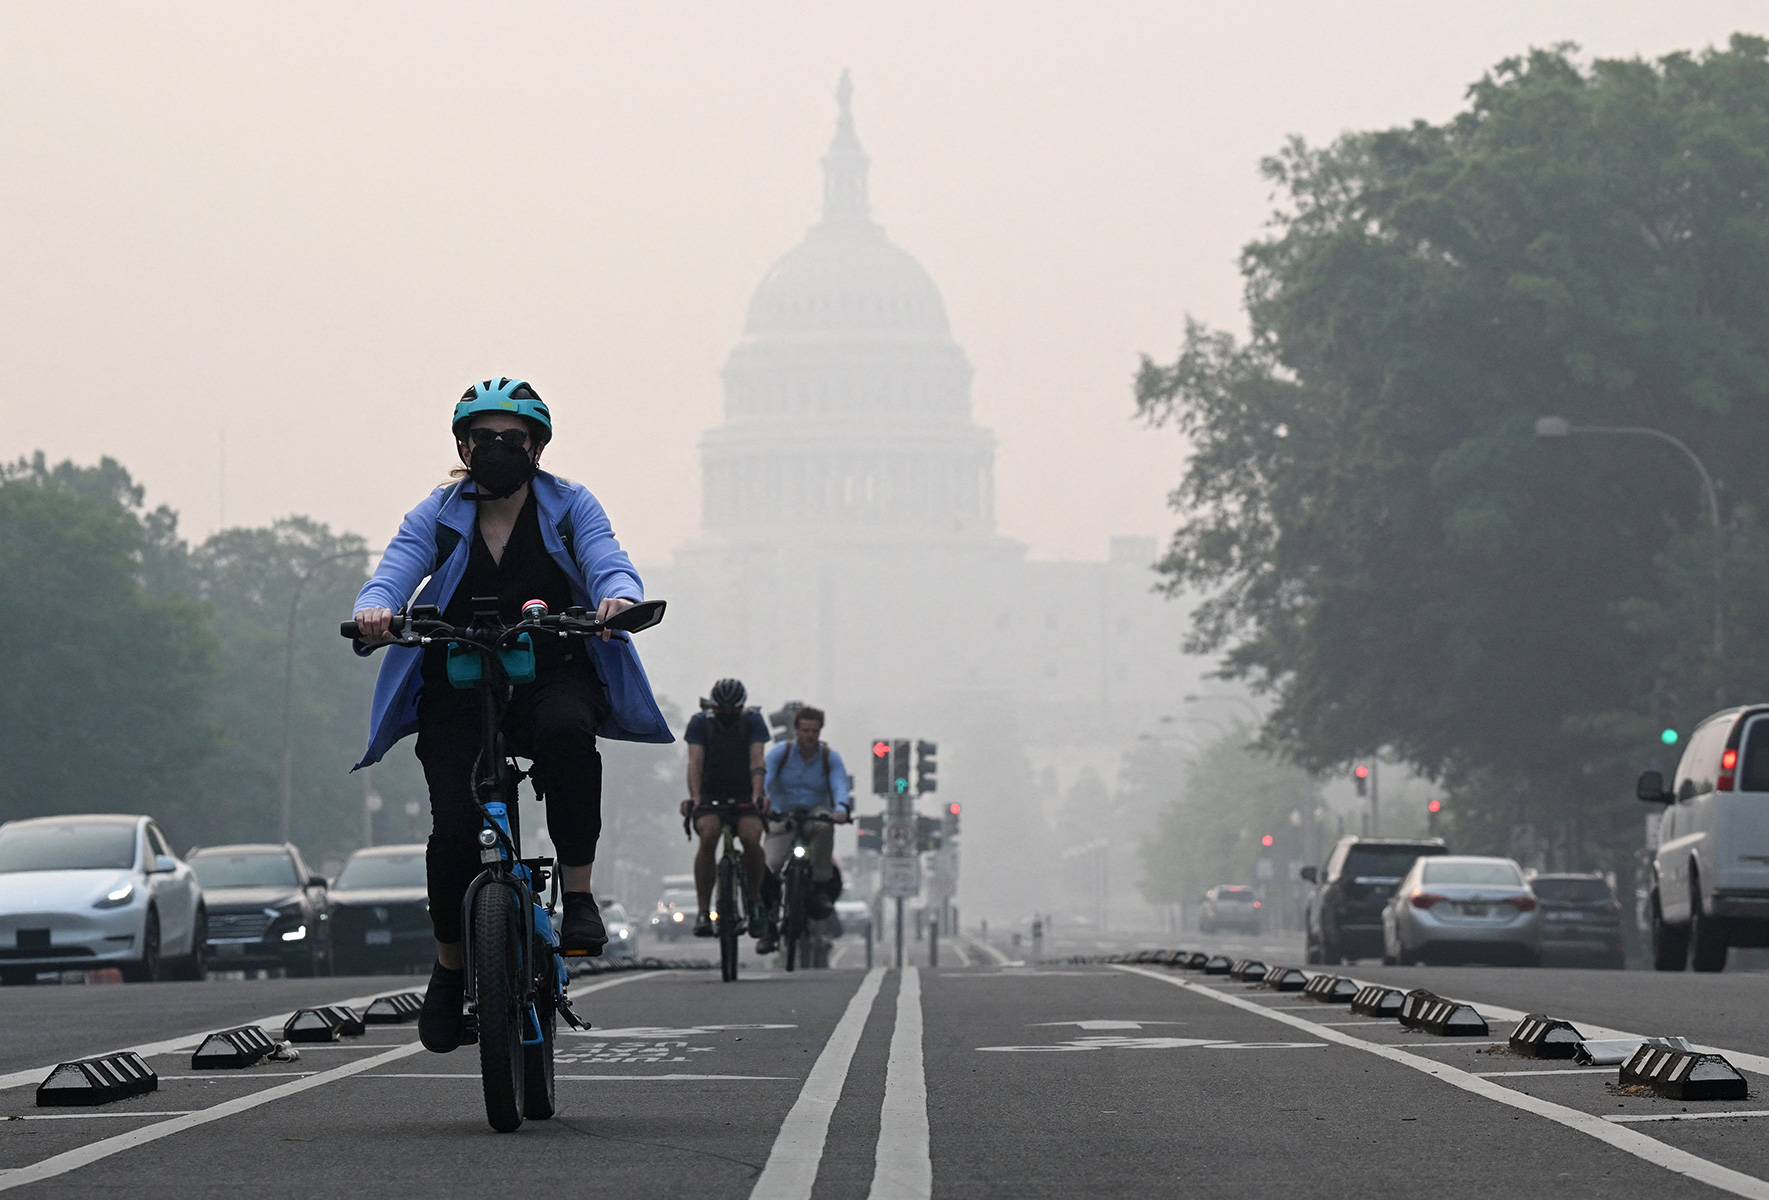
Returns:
point(289, 689)
point(1558, 427)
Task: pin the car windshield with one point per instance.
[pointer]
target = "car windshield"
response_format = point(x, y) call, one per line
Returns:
point(677, 900)
point(1571, 890)
point(1228, 897)
point(614, 914)
point(383, 871)
point(75, 846)
point(245, 870)
point(1384, 862)
point(1478, 874)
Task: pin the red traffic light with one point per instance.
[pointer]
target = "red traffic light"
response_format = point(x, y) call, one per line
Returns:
point(1266, 840)
point(881, 749)
point(1361, 771)
point(954, 808)
point(1434, 806)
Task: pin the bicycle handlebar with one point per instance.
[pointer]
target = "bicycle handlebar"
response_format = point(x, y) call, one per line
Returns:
point(571, 623)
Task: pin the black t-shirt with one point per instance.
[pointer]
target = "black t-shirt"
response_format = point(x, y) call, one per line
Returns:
point(525, 572)
point(726, 773)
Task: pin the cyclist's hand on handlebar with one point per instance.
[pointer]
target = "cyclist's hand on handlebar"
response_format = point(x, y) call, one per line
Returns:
point(687, 807)
point(608, 608)
point(764, 806)
point(372, 625)
point(839, 816)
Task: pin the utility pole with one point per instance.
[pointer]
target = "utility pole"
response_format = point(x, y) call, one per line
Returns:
point(1375, 797)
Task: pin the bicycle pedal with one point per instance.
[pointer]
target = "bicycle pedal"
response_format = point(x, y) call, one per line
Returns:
point(469, 1029)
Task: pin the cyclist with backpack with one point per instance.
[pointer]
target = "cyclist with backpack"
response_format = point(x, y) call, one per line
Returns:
point(725, 770)
point(505, 532)
point(806, 775)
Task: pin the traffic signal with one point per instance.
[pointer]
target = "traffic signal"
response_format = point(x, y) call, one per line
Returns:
point(1431, 811)
point(1362, 775)
point(900, 767)
point(1266, 841)
point(951, 819)
point(871, 833)
point(927, 834)
point(925, 766)
point(881, 767)
point(781, 719)
point(1668, 737)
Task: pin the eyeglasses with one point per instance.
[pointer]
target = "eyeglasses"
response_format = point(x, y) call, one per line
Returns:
point(515, 439)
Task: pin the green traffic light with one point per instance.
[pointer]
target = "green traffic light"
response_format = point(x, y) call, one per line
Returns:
point(1668, 737)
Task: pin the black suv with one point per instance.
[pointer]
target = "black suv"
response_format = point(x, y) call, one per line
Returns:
point(1344, 917)
point(1580, 916)
point(266, 909)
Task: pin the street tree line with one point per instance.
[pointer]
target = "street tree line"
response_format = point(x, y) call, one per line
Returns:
point(144, 674)
point(1388, 551)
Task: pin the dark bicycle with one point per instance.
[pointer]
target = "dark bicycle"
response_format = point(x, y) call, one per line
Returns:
point(801, 939)
point(729, 915)
point(515, 973)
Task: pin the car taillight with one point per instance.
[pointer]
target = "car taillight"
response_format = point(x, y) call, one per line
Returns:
point(1728, 761)
point(1524, 903)
point(1427, 899)
point(1256, 904)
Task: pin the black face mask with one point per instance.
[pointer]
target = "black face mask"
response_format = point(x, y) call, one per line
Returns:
point(500, 470)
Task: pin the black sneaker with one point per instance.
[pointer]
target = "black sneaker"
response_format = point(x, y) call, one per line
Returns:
point(582, 932)
point(758, 921)
point(703, 926)
point(766, 943)
point(439, 1022)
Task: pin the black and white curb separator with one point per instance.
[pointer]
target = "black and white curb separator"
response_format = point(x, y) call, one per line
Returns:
point(396, 1009)
point(1248, 970)
point(232, 1049)
point(1218, 964)
point(100, 1080)
point(1284, 979)
point(1331, 989)
point(1539, 1036)
point(326, 1024)
point(1374, 1000)
point(1195, 960)
point(1426, 1010)
point(1683, 1074)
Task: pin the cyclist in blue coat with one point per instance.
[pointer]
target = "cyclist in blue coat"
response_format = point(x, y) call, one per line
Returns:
point(508, 529)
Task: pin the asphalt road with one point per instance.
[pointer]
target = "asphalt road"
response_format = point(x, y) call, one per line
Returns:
point(989, 1075)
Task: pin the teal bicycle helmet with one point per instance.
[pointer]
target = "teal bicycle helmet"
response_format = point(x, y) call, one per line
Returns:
point(505, 395)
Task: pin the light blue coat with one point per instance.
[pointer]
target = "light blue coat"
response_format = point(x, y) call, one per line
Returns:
point(594, 563)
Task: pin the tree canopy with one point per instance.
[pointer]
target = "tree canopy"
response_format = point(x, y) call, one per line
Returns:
point(1385, 545)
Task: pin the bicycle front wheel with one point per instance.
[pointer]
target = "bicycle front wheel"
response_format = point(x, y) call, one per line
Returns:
point(792, 925)
point(728, 923)
point(497, 944)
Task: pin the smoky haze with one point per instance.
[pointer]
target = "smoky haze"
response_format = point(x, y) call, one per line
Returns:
point(255, 253)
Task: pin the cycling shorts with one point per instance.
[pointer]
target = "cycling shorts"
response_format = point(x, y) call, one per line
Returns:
point(738, 808)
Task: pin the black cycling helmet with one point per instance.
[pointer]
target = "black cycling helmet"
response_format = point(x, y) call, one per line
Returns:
point(727, 693)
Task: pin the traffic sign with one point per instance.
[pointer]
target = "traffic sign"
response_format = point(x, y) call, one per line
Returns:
point(900, 836)
point(902, 877)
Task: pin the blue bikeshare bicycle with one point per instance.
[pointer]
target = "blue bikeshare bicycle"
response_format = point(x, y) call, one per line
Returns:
point(516, 975)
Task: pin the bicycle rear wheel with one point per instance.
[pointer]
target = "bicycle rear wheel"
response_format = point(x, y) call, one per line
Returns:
point(537, 1061)
point(497, 943)
point(728, 924)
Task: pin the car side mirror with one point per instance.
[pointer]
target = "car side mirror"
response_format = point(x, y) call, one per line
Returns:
point(1309, 873)
point(1651, 788)
point(164, 863)
point(318, 881)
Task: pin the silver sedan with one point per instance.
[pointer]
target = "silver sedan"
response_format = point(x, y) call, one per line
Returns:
point(1459, 908)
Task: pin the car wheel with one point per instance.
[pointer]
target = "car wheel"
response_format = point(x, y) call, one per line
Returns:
point(1330, 956)
point(147, 968)
point(1707, 937)
point(1670, 943)
point(194, 965)
point(1311, 951)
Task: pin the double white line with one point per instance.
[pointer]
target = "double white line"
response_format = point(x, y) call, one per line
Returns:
point(902, 1168)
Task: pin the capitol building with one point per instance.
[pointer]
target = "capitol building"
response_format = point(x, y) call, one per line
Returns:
point(849, 557)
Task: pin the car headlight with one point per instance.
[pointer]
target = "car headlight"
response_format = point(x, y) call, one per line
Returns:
point(675, 916)
point(296, 934)
point(117, 898)
point(623, 931)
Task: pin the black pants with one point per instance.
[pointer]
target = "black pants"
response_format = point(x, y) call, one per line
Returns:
point(552, 721)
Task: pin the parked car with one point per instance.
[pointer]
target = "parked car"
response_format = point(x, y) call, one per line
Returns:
point(266, 909)
point(97, 891)
point(855, 918)
point(1229, 906)
point(1343, 915)
point(1581, 918)
point(1710, 873)
point(674, 915)
point(381, 912)
point(623, 937)
point(1460, 908)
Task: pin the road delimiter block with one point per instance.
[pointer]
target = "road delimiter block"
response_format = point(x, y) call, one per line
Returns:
point(100, 1080)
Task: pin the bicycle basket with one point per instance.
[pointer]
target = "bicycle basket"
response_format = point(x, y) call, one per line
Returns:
point(465, 663)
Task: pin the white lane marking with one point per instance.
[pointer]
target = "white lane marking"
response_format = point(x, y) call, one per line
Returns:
point(245, 1076)
point(1622, 1138)
point(902, 1168)
point(35, 1075)
point(1343, 1023)
point(1558, 1071)
point(1445, 1044)
point(71, 1160)
point(627, 1078)
point(174, 1112)
point(1001, 960)
point(798, 1149)
point(1706, 1116)
point(836, 958)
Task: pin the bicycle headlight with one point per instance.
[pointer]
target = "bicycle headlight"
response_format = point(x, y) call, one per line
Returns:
point(488, 838)
point(798, 851)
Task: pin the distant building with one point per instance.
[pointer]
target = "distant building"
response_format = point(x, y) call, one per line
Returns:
point(849, 555)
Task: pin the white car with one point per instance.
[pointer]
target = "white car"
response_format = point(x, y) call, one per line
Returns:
point(106, 890)
point(1710, 874)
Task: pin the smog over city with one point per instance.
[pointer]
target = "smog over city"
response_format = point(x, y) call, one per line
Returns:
point(1181, 454)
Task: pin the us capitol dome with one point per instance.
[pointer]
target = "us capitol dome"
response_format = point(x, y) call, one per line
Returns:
point(847, 403)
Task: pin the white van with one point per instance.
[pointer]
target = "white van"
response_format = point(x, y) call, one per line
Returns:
point(1710, 876)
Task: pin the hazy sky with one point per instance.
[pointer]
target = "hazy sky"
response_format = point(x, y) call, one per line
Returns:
point(310, 225)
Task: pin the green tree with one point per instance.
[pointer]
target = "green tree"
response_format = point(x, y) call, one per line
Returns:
point(1384, 544)
point(103, 705)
